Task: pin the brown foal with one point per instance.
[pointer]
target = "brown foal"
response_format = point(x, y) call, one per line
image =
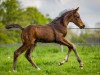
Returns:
point(52, 32)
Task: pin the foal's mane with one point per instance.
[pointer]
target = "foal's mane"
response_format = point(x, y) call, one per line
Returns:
point(61, 15)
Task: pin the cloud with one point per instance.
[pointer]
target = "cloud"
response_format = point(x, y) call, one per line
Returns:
point(34, 3)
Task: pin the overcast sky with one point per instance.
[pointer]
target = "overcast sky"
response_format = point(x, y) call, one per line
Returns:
point(89, 9)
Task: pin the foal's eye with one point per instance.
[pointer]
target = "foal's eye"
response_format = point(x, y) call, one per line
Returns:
point(78, 17)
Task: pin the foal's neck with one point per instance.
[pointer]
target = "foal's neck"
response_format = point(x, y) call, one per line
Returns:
point(61, 25)
point(66, 20)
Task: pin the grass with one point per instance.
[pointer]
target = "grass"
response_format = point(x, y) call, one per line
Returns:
point(47, 57)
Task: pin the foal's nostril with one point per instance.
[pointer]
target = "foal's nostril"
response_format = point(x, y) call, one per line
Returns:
point(83, 26)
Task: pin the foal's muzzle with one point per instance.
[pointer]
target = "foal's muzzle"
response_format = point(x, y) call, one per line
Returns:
point(82, 27)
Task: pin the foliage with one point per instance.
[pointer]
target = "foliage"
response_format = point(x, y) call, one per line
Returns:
point(92, 37)
point(86, 36)
point(10, 10)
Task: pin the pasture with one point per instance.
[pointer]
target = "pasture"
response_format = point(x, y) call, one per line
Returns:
point(47, 57)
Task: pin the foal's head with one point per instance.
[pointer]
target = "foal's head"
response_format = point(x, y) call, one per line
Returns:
point(74, 17)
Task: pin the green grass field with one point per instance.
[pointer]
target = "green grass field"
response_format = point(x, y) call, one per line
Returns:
point(47, 57)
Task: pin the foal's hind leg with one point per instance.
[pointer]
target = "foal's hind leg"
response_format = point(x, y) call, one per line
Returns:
point(17, 53)
point(28, 55)
point(70, 46)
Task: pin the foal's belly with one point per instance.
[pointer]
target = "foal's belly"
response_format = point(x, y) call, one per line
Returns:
point(45, 34)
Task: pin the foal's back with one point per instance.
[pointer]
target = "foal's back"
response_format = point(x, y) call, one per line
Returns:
point(39, 33)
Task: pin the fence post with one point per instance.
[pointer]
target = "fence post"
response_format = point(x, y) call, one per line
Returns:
point(62, 48)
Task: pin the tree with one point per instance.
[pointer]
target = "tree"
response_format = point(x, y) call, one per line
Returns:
point(9, 11)
point(35, 17)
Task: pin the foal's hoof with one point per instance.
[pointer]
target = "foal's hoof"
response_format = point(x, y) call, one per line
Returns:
point(81, 67)
point(38, 69)
point(14, 71)
point(60, 63)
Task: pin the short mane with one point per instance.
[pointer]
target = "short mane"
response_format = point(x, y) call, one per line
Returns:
point(61, 15)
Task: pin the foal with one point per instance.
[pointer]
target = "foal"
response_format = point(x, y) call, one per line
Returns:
point(52, 32)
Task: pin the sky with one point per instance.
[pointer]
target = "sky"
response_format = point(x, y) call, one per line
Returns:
point(89, 9)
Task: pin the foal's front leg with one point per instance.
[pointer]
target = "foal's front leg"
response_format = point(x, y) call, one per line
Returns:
point(70, 46)
point(66, 58)
point(67, 43)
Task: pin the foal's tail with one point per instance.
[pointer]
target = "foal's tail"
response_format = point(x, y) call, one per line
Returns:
point(14, 26)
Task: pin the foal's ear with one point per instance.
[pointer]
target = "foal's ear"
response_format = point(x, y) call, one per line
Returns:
point(76, 9)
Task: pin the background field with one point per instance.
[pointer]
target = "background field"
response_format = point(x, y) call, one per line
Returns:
point(47, 57)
